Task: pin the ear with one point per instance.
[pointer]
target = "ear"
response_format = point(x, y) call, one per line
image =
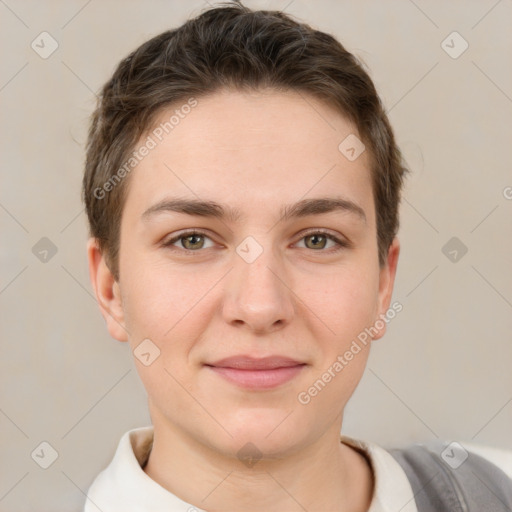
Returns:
point(107, 291)
point(386, 284)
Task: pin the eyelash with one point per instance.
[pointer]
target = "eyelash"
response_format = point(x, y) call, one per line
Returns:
point(341, 243)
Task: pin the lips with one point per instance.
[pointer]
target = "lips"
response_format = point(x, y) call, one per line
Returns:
point(257, 373)
point(250, 363)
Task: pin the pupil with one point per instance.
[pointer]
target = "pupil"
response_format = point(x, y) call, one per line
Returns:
point(316, 238)
point(190, 239)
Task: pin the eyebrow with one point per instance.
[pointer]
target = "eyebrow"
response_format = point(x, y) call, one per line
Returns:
point(303, 208)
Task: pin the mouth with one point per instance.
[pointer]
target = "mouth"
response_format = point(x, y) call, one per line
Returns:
point(257, 373)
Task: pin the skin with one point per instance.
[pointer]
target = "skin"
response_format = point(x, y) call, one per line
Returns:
point(257, 152)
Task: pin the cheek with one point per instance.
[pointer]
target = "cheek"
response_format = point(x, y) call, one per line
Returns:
point(163, 304)
point(165, 308)
point(166, 303)
point(345, 303)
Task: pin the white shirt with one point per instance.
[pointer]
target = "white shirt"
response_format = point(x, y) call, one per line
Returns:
point(124, 486)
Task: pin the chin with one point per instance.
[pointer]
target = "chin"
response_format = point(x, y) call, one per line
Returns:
point(263, 428)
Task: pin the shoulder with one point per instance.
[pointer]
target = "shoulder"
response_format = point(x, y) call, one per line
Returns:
point(498, 456)
point(457, 474)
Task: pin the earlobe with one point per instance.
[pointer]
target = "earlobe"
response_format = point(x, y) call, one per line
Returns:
point(386, 284)
point(107, 292)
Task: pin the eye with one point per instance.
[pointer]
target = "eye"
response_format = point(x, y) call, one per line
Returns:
point(194, 240)
point(318, 240)
point(189, 240)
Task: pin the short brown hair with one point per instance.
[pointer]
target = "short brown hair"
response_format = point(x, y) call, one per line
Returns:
point(231, 46)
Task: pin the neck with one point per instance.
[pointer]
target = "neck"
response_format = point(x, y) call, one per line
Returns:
point(325, 475)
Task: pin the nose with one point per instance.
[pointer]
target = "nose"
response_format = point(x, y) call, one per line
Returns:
point(257, 295)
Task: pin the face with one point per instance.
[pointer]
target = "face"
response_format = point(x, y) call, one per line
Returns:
point(257, 282)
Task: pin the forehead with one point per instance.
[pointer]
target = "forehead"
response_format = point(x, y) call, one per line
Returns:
point(250, 148)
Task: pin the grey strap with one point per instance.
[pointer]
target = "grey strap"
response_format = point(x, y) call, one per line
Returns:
point(476, 485)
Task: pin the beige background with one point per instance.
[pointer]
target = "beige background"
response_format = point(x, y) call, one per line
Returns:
point(443, 369)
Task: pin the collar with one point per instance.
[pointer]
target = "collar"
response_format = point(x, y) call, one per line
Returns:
point(123, 485)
